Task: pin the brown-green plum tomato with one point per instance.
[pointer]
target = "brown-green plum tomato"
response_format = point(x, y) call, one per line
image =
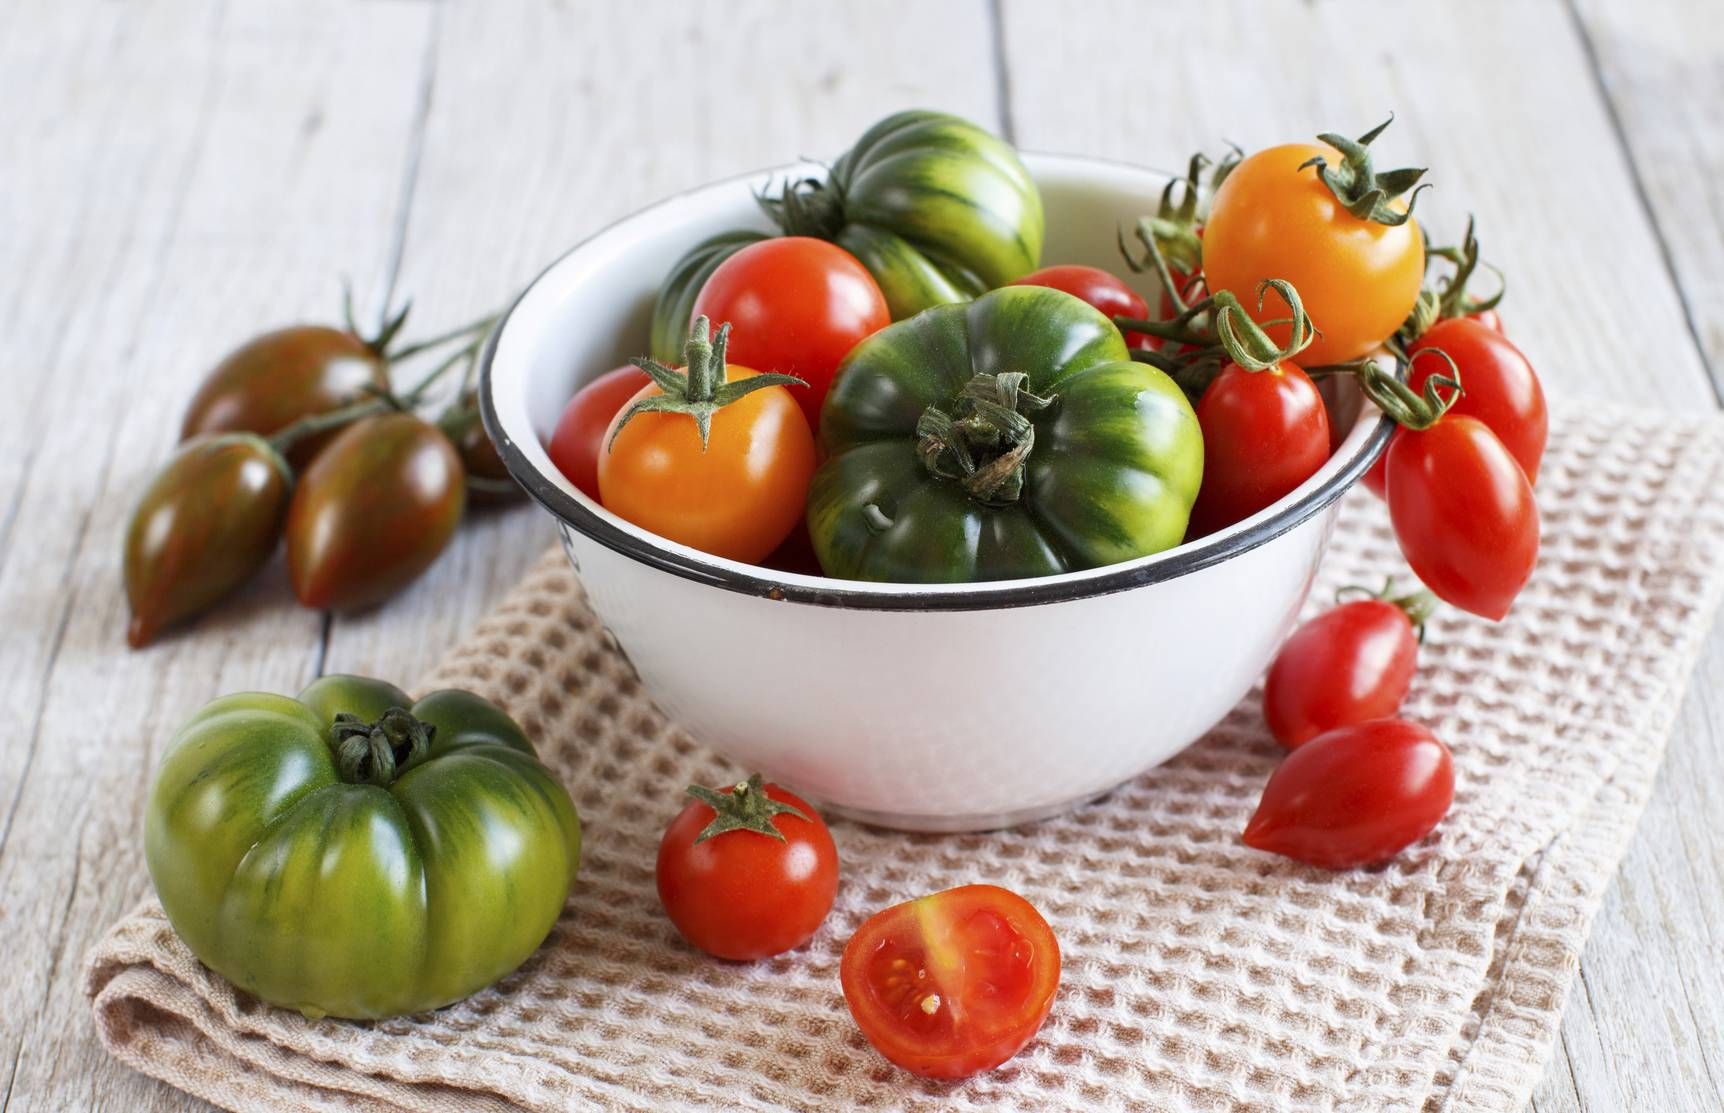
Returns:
point(279, 377)
point(209, 519)
point(353, 853)
point(373, 512)
point(488, 479)
point(1002, 438)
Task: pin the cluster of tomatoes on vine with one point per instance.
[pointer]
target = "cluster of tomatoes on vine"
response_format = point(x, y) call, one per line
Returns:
point(1359, 783)
point(299, 434)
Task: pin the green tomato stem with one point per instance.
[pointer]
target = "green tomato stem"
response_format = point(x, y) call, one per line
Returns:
point(703, 389)
point(377, 753)
point(746, 807)
point(986, 445)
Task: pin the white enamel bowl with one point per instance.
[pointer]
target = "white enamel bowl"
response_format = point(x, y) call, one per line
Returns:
point(942, 708)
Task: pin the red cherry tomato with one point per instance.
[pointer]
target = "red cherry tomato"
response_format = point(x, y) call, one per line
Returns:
point(1104, 291)
point(952, 984)
point(736, 892)
point(579, 438)
point(1498, 386)
point(1489, 318)
point(1349, 664)
point(1354, 796)
point(1463, 513)
point(796, 306)
point(1264, 433)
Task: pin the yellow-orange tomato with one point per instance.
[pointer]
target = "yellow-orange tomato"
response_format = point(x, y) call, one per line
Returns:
point(1357, 278)
point(738, 497)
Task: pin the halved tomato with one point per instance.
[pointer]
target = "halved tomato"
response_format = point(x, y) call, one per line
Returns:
point(952, 984)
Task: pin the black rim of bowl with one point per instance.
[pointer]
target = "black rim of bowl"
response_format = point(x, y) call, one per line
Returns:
point(763, 582)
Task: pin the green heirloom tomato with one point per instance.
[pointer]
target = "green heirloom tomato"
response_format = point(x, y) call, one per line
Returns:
point(938, 210)
point(353, 853)
point(1008, 437)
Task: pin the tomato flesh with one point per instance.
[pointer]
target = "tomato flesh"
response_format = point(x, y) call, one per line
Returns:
point(952, 984)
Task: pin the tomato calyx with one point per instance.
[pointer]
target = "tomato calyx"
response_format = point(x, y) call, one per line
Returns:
point(1453, 300)
point(703, 390)
point(1418, 606)
point(1363, 191)
point(1243, 339)
point(808, 207)
point(1231, 335)
point(1448, 297)
point(985, 441)
point(377, 753)
point(1399, 402)
point(1173, 231)
point(746, 807)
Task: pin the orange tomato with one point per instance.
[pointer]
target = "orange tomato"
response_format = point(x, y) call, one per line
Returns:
point(738, 497)
point(1357, 278)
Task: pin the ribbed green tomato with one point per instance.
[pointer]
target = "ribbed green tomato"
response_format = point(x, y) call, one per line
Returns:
point(938, 209)
point(352, 853)
point(1004, 438)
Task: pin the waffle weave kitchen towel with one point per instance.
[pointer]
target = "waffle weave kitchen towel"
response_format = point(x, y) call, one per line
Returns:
point(1198, 974)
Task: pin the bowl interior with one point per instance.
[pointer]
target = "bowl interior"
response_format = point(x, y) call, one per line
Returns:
point(590, 311)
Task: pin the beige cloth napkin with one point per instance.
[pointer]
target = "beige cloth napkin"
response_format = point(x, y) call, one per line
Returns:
point(1198, 974)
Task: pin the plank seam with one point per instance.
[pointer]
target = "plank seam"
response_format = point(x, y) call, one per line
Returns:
point(1002, 72)
point(1601, 86)
point(398, 240)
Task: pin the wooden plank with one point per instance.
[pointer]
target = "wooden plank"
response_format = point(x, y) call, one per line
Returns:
point(1660, 66)
point(176, 178)
point(536, 139)
point(1492, 99)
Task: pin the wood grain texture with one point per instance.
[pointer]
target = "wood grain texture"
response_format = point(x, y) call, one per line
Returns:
point(178, 176)
point(175, 177)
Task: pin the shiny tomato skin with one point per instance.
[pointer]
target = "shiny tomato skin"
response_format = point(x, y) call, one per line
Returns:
point(1358, 279)
point(981, 946)
point(1463, 513)
point(1499, 387)
point(737, 497)
point(1351, 663)
point(579, 438)
point(1489, 318)
point(1105, 291)
point(743, 895)
point(1355, 796)
point(796, 306)
point(1264, 433)
point(373, 512)
point(274, 379)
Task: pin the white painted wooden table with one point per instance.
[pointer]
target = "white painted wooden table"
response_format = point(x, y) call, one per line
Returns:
point(176, 176)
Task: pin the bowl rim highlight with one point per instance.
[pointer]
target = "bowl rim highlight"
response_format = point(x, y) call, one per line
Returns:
point(1364, 443)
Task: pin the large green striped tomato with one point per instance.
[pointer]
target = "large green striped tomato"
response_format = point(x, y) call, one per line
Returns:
point(1003, 438)
point(353, 853)
point(938, 209)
